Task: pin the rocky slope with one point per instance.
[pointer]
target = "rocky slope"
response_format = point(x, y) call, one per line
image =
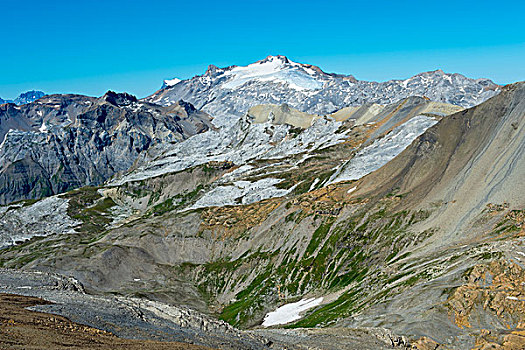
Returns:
point(468, 168)
point(231, 91)
point(141, 321)
point(258, 158)
point(63, 142)
point(282, 114)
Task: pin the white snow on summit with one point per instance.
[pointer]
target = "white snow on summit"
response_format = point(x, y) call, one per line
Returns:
point(228, 93)
point(272, 69)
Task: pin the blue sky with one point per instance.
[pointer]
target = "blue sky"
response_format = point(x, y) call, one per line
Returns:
point(91, 46)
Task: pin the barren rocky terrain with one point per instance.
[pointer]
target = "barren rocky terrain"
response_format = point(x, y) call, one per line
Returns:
point(398, 223)
point(25, 329)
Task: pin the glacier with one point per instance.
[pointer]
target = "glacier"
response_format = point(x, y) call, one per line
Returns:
point(272, 69)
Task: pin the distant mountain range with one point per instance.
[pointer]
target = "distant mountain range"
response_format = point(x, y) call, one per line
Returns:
point(25, 97)
point(231, 91)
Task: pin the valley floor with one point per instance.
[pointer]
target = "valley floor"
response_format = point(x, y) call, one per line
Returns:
point(40, 310)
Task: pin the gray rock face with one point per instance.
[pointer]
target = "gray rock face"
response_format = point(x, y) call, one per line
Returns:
point(66, 141)
point(127, 317)
point(231, 91)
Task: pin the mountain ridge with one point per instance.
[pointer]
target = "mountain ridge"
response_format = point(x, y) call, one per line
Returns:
point(227, 93)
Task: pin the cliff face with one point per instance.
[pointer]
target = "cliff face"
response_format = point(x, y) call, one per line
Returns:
point(63, 142)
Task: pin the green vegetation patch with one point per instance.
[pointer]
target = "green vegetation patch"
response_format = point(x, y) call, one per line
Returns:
point(176, 202)
point(91, 208)
point(344, 306)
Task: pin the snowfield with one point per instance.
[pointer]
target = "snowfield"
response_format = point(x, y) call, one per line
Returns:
point(290, 312)
point(171, 82)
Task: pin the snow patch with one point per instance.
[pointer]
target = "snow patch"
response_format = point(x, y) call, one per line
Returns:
point(45, 217)
point(312, 186)
point(171, 82)
point(290, 312)
point(241, 192)
point(43, 128)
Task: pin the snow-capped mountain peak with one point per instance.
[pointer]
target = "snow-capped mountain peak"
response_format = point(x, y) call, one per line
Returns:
point(276, 69)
